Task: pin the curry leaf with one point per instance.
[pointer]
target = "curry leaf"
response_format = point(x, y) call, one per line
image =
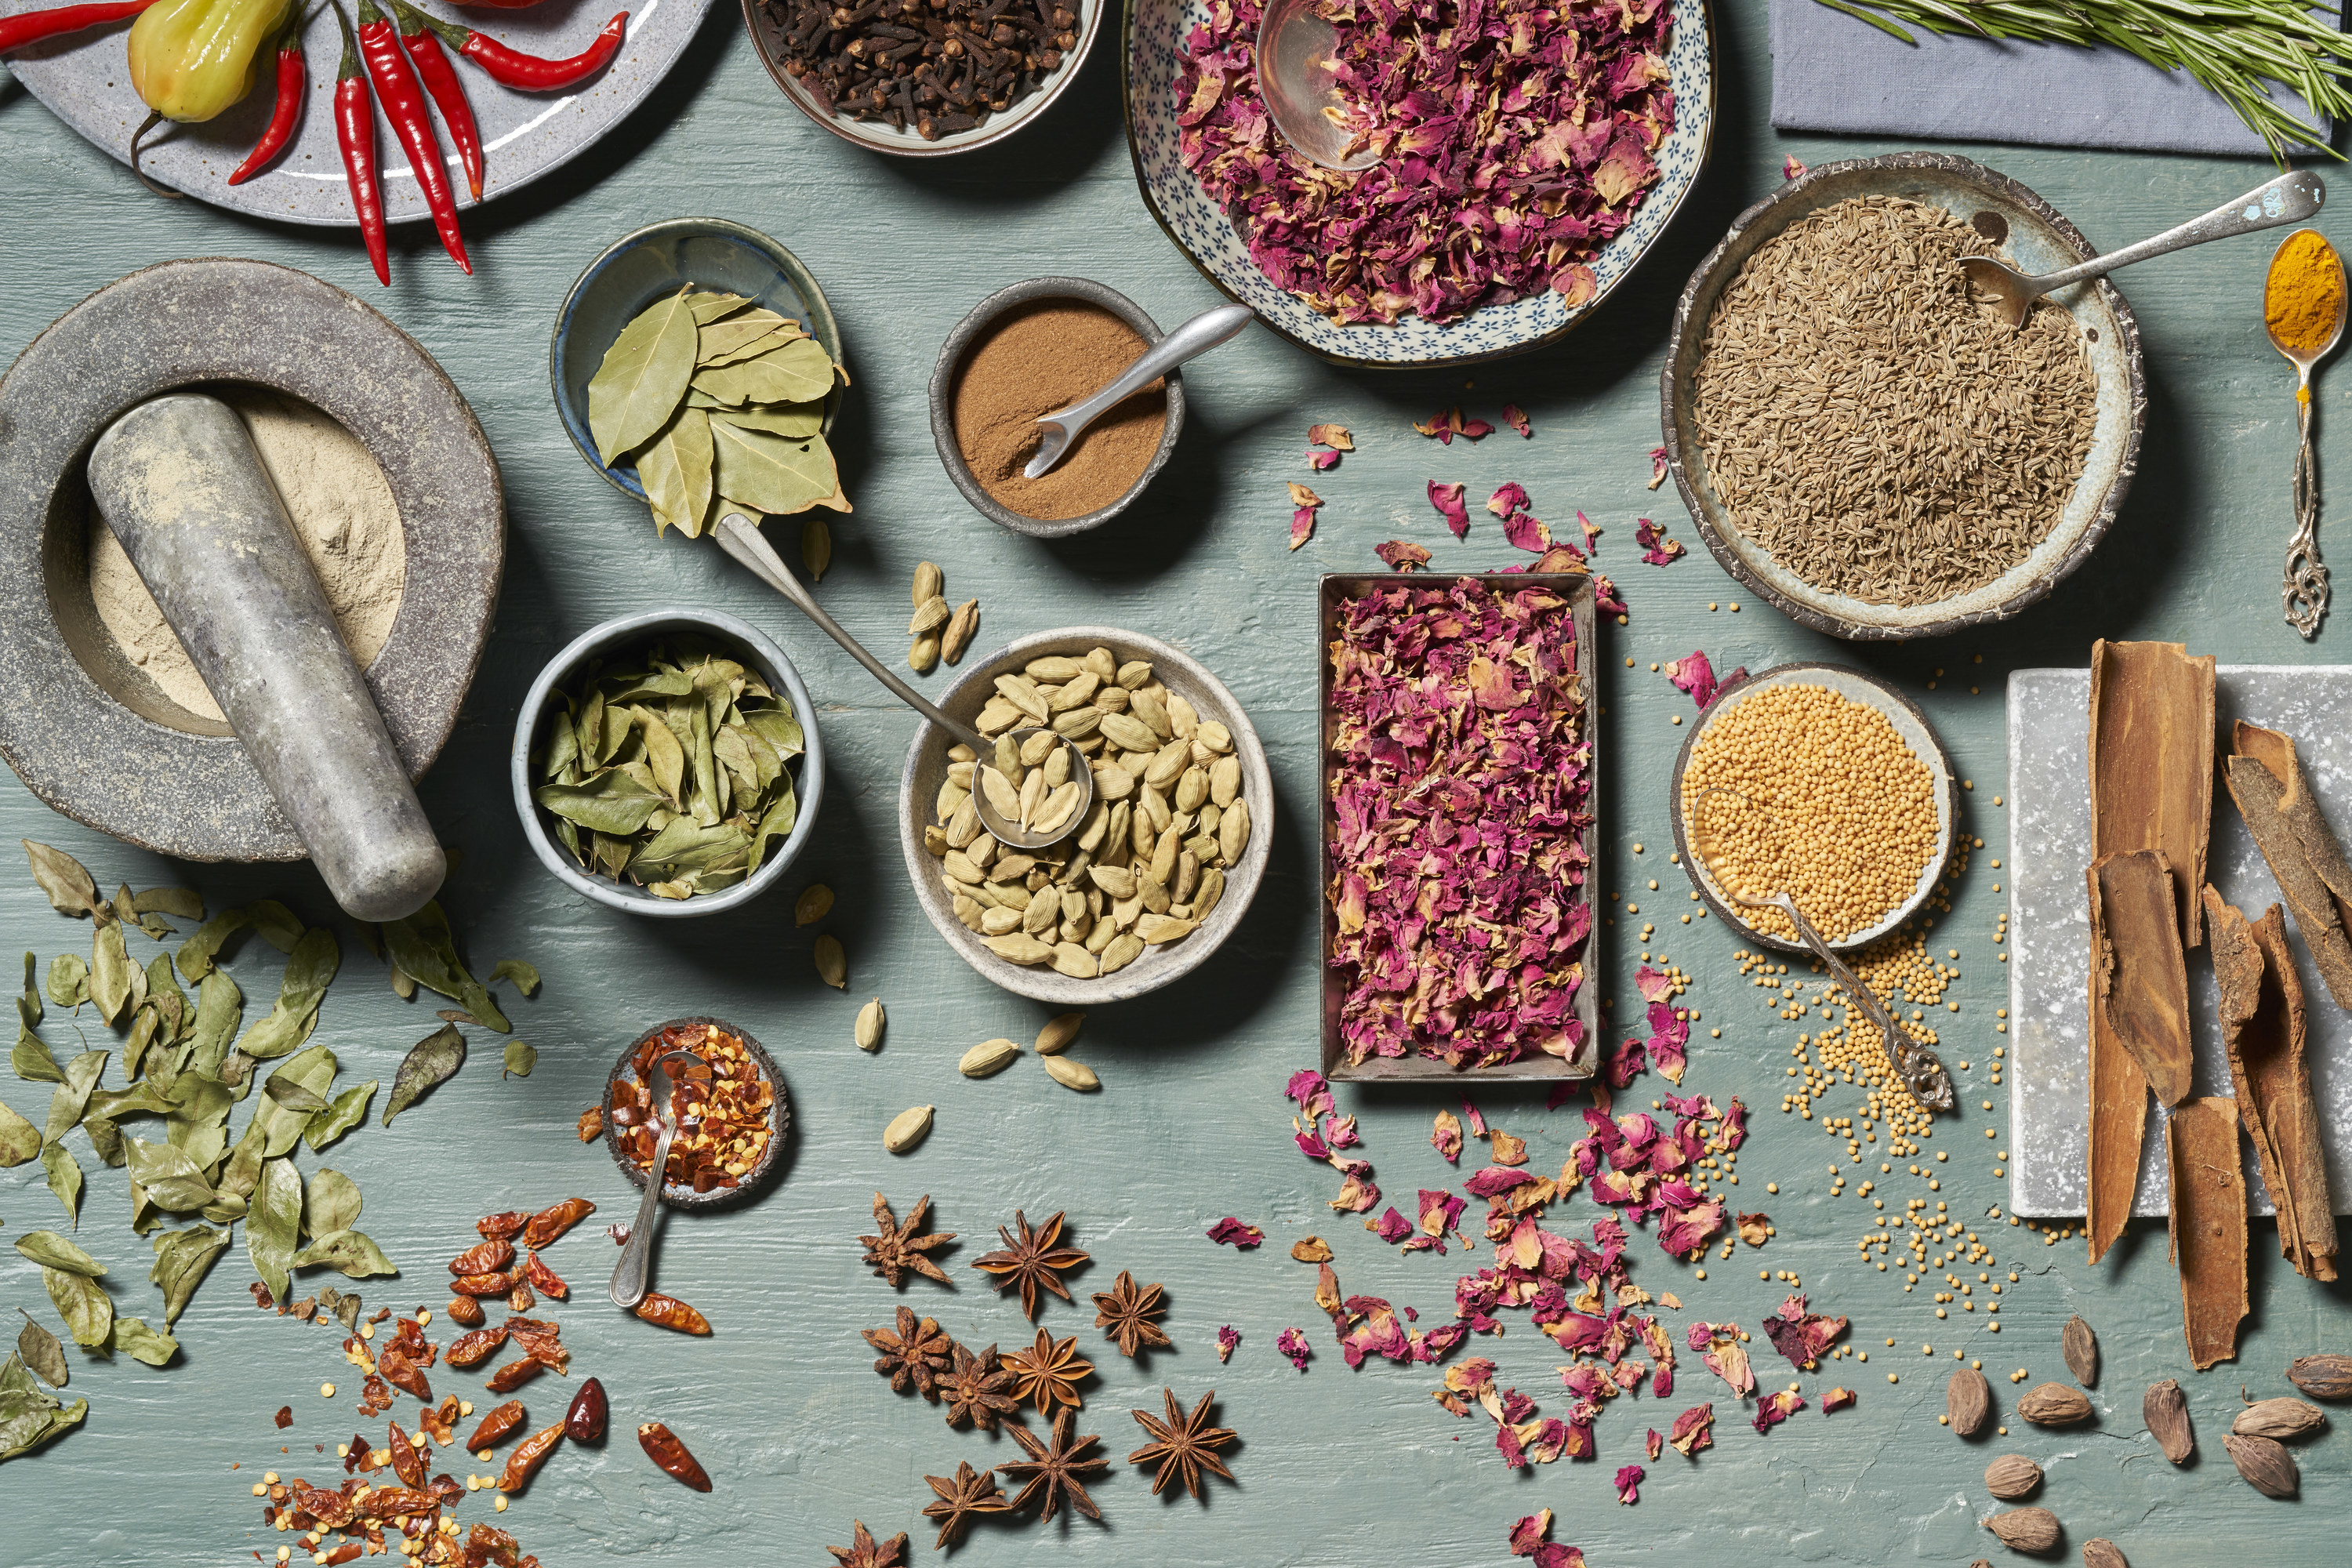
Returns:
point(521, 1059)
point(294, 1096)
point(22, 1433)
point(111, 973)
point(422, 946)
point(523, 977)
point(197, 954)
point(219, 1007)
point(184, 903)
point(68, 983)
point(274, 1224)
point(19, 1139)
point(432, 1060)
point(330, 1202)
point(50, 1251)
point(182, 1258)
point(32, 1060)
point(309, 968)
point(42, 1352)
point(134, 1338)
point(347, 1111)
point(349, 1252)
point(68, 1100)
point(83, 1303)
point(174, 1181)
point(70, 888)
point(65, 1179)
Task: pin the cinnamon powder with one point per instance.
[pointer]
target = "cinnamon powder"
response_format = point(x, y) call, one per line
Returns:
point(1031, 361)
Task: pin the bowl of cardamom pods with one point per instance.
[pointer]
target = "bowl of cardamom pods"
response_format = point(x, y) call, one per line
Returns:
point(1161, 868)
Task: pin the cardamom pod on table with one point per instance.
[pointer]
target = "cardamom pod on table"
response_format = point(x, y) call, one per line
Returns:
point(2100, 1553)
point(988, 1057)
point(2012, 1476)
point(1058, 1035)
point(2324, 1376)
point(2056, 1405)
point(1073, 1075)
point(2081, 1349)
point(906, 1128)
point(870, 1026)
point(2167, 1414)
point(1967, 1400)
point(2026, 1529)
point(930, 583)
point(2269, 1468)
point(831, 963)
point(2278, 1418)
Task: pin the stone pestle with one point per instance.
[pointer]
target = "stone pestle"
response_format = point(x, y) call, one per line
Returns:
point(180, 483)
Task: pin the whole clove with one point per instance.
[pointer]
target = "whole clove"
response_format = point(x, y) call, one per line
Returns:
point(932, 67)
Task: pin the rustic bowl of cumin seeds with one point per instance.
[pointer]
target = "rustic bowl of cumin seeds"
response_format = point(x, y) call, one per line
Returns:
point(1860, 441)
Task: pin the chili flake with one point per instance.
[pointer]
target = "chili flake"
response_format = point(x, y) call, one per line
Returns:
point(725, 1108)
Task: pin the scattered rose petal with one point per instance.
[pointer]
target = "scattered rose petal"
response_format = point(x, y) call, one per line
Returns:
point(1790, 168)
point(1838, 1399)
point(1446, 1136)
point(1314, 1250)
point(1475, 1119)
point(1657, 467)
point(1515, 418)
point(1653, 985)
point(1629, 1483)
point(1231, 1232)
point(1522, 532)
point(1448, 499)
point(1604, 596)
point(1694, 1429)
point(1653, 1445)
point(1506, 1150)
point(1591, 531)
point(1802, 1337)
point(1508, 499)
point(1669, 1032)
point(1448, 423)
point(1559, 558)
point(1754, 1228)
point(1403, 555)
point(1656, 548)
point(1335, 437)
point(1721, 1352)
point(1692, 674)
point(1227, 1338)
point(1302, 519)
point(1293, 1343)
point(1624, 1064)
point(1390, 1228)
point(1319, 460)
point(1776, 1407)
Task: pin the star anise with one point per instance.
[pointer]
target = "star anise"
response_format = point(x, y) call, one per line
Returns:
point(915, 1355)
point(862, 1552)
point(898, 1249)
point(968, 1493)
point(1034, 1261)
point(1125, 1310)
point(1182, 1446)
point(1049, 1371)
point(976, 1389)
point(1053, 1471)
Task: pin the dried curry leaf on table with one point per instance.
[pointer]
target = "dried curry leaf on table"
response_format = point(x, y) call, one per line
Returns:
point(172, 1178)
point(220, 1007)
point(68, 981)
point(330, 1202)
point(273, 1223)
point(50, 1251)
point(29, 1415)
point(345, 1111)
point(522, 976)
point(70, 888)
point(2208, 1225)
point(113, 979)
point(65, 1178)
point(423, 948)
point(520, 1058)
point(42, 1352)
point(183, 1258)
point(196, 955)
point(348, 1251)
point(310, 968)
point(2139, 973)
point(291, 1095)
point(83, 1303)
point(19, 1139)
point(134, 1338)
point(68, 1100)
point(433, 1060)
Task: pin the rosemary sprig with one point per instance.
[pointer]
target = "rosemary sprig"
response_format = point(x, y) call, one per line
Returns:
point(2232, 47)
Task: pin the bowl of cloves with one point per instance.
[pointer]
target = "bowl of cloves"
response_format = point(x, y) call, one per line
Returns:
point(922, 78)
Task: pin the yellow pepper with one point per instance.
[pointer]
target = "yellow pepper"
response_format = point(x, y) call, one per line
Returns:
point(190, 59)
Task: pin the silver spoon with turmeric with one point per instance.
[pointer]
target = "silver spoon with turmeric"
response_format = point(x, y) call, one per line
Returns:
point(1921, 1070)
point(2303, 310)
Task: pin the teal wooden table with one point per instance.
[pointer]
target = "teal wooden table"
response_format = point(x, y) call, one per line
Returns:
point(1347, 1469)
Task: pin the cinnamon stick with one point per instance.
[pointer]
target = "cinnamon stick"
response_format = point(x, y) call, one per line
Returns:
point(2138, 973)
point(2283, 816)
point(2208, 1225)
point(2263, 1029)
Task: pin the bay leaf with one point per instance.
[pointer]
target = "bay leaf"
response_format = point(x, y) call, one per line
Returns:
point(197, 953)
point(330, 1202)
point(42, 1352)
point(776, 822)
point(184, 903)
point(83, 1303)
point(522, 976)
point(309, 970)
point(348, 1252)
point(134, 1338)
point(19, 1139)
point(663, 753)
point(421, 944)
point(50, 1251)
point(643, 377)
point(183, 1258)
point(69, 982)
point(675, 469)
point(273, 1223)
point(712, 305)
point(771, 473)
point(735, 335)
point(220, 1006)
point(65, 1178)
point(69, 887)
point(432, 1060)
point(347, 1111)
point(613, 803)
point(520, 1058)
point(110, 972)
point(70, 1098)
point(799, 371)
point(796, 421)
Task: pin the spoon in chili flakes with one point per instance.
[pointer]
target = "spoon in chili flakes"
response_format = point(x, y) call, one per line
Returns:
point(629, 1278)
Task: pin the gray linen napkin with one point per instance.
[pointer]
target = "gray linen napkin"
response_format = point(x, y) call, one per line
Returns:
point(1833, 72)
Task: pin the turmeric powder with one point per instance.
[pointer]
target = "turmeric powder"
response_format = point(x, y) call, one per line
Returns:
point(2304, 299)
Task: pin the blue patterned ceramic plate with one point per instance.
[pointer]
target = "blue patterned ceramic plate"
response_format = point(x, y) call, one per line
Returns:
point(1151, 50)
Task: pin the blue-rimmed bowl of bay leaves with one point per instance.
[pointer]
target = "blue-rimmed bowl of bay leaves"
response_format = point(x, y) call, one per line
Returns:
point(707, 255)
point(668, 764)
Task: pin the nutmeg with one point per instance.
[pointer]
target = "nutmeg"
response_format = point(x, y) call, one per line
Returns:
point(2100, 1553)
point(2268, 1468)
point(2327, 1377)
point(2279, 1419)
point(2056, 1405)
point(2012, 1476)
point(2026, 1529)
point(1967, 1400)
point(2081, 1349)
point(2167, 1414)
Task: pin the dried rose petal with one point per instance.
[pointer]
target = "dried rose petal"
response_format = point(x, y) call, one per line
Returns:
point(1319, 460)
point(1657, 467)
point(1446, 1136)
point(1513, 417)
point(1302, 519)
point(1512, 497)
point(1790, 168)
point(1293, 1343)
point(1656, 548)
point(1802, 1337)
point(1228, 1337)
point(1232, 1232)
point(1838, 1399)
point(1629, 1483)
point(1335, 437)
point(1776, 1407)
point(1403, 555)
point(1692, 674)
point(1653, 985)
point(1694, 1429)
point(1522, 532)
point(1653, 1445)
point(1448, 499)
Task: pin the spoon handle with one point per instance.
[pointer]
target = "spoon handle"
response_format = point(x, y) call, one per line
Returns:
point(1922, 1073)
point(1189, 341)
point(740, 539)
point(2305, 591)
point(2290, 198)
point(629, 1274)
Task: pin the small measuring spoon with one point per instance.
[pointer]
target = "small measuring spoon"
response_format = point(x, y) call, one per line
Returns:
point(1190, 341)
point(2304, 592)
point(2290, 198)
point(661, 1093)
point(1297, 53)
point(1033, 825)
point(1922, 1071)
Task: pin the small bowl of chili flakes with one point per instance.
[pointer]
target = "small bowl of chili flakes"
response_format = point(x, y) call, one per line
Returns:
point(733, 1113)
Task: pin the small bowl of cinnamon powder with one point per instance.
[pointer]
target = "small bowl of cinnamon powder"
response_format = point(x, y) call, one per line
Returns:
point(1028, 351)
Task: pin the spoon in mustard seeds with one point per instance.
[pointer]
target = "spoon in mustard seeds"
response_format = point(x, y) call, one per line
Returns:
point(1921, 1070)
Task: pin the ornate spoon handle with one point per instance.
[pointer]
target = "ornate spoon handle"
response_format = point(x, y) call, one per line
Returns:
point(2303, 593)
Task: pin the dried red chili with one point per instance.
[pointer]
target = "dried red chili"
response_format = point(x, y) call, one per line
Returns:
point(519, 1298)
point(670, 1312)
point(547, 1281)
point(548, 1351)
point(465, 1310)
point(441, 1420)
point(496, 1428)
point(473, 1349)
point(726, 1108)
point(483, 1284)
point(486, 1259)
point(285, 1416)
point(391, 1502)
point(529, 1455)
point(502, 1227)
point(662, 1446)
point(407, 1463)
point(330, 1509)
point(552, 1222)
point(396, 1369)
point(408, 1338)
point(348, 1550)
point(514, 1375)
point(584, 1422)
point(375, 1395)
point(487, 1546)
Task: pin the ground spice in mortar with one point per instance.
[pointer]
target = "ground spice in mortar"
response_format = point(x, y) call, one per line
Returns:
point(1032, 360)
point(344, 512)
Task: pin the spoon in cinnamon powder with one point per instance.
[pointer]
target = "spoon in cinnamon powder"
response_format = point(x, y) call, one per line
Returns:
point(1190, 341)
point(1022, 813)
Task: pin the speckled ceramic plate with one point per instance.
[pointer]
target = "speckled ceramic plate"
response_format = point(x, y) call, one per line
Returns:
point(2042, 241)
point(84, 81)
point(1151, 48)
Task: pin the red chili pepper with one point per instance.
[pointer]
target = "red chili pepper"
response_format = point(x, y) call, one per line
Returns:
point(440, 80)
point(403, 105)
point(293, 85)
point(32, 26)
point(355, 134)
point(529, 73)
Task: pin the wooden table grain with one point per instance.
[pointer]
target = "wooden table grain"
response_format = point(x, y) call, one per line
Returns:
point(1353, 1469)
